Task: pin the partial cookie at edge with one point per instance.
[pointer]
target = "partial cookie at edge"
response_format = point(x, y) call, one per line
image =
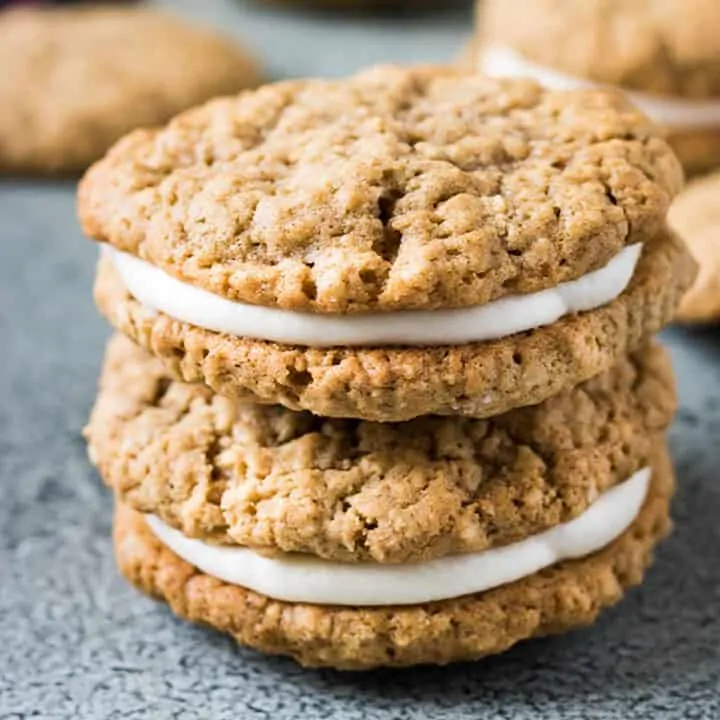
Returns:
point(558, 599)
point(666, 47)
point(394, 384)
point(77, 79)
point(698, 150)
point(695, 215)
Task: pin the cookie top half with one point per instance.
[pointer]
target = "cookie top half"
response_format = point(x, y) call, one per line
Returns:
point(75, 80)
point(668, 47)
point(395, 189)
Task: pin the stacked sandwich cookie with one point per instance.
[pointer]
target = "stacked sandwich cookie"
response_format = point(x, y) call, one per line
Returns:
point(663, 53)
point(384, 390)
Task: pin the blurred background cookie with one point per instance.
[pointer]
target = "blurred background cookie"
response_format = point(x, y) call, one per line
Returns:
point(696, 216)
point(664, 53)
point(84, 76)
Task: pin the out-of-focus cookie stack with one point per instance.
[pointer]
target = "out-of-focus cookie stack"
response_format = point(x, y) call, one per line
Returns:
point(391, 396)
point(663, 53)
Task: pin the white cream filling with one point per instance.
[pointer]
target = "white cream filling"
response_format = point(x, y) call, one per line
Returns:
point(675, 112)
point(303, 578)
point(157, 290)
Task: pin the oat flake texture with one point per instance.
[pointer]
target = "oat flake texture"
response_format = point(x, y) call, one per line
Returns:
point(282, 481)
point(393, 189)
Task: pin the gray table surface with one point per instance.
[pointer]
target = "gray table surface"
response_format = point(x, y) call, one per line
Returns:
point(76, 642)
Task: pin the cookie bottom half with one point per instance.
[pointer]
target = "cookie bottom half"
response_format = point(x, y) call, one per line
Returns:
point(566, 596)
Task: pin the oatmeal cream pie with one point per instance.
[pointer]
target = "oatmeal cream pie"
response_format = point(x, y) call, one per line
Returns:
point(77, 79)
point(359, 616)
point(663, 53)
point(280, 481)
point(695, 215)
point(401, 243)
point(356, 544)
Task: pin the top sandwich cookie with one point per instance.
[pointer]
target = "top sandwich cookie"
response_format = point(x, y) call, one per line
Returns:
point(403, 242)
point(663, 53)
point(78, 79)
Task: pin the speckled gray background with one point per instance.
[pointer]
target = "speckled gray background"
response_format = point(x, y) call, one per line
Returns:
point(76, 642)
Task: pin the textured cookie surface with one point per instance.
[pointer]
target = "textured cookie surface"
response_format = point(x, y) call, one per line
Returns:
point(391, 384)
point(282, 481)
point(696, 217)
point(394, 189)
point(78, 79)
point(661, 46)
point(560, 598)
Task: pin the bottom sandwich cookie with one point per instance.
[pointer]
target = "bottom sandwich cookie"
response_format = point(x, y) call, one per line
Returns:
point(449, 609)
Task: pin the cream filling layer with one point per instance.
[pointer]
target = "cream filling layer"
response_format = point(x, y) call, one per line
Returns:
point(675, 112)
point(158, 290)
point(303, 578)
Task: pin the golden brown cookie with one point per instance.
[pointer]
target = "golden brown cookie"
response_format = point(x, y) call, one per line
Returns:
point(668, 47)
point(558, 599)
point(396, 189)
point(281, 481)
point(695, 215)
point(399, 383)
point(664, 49)
point(77, 79)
